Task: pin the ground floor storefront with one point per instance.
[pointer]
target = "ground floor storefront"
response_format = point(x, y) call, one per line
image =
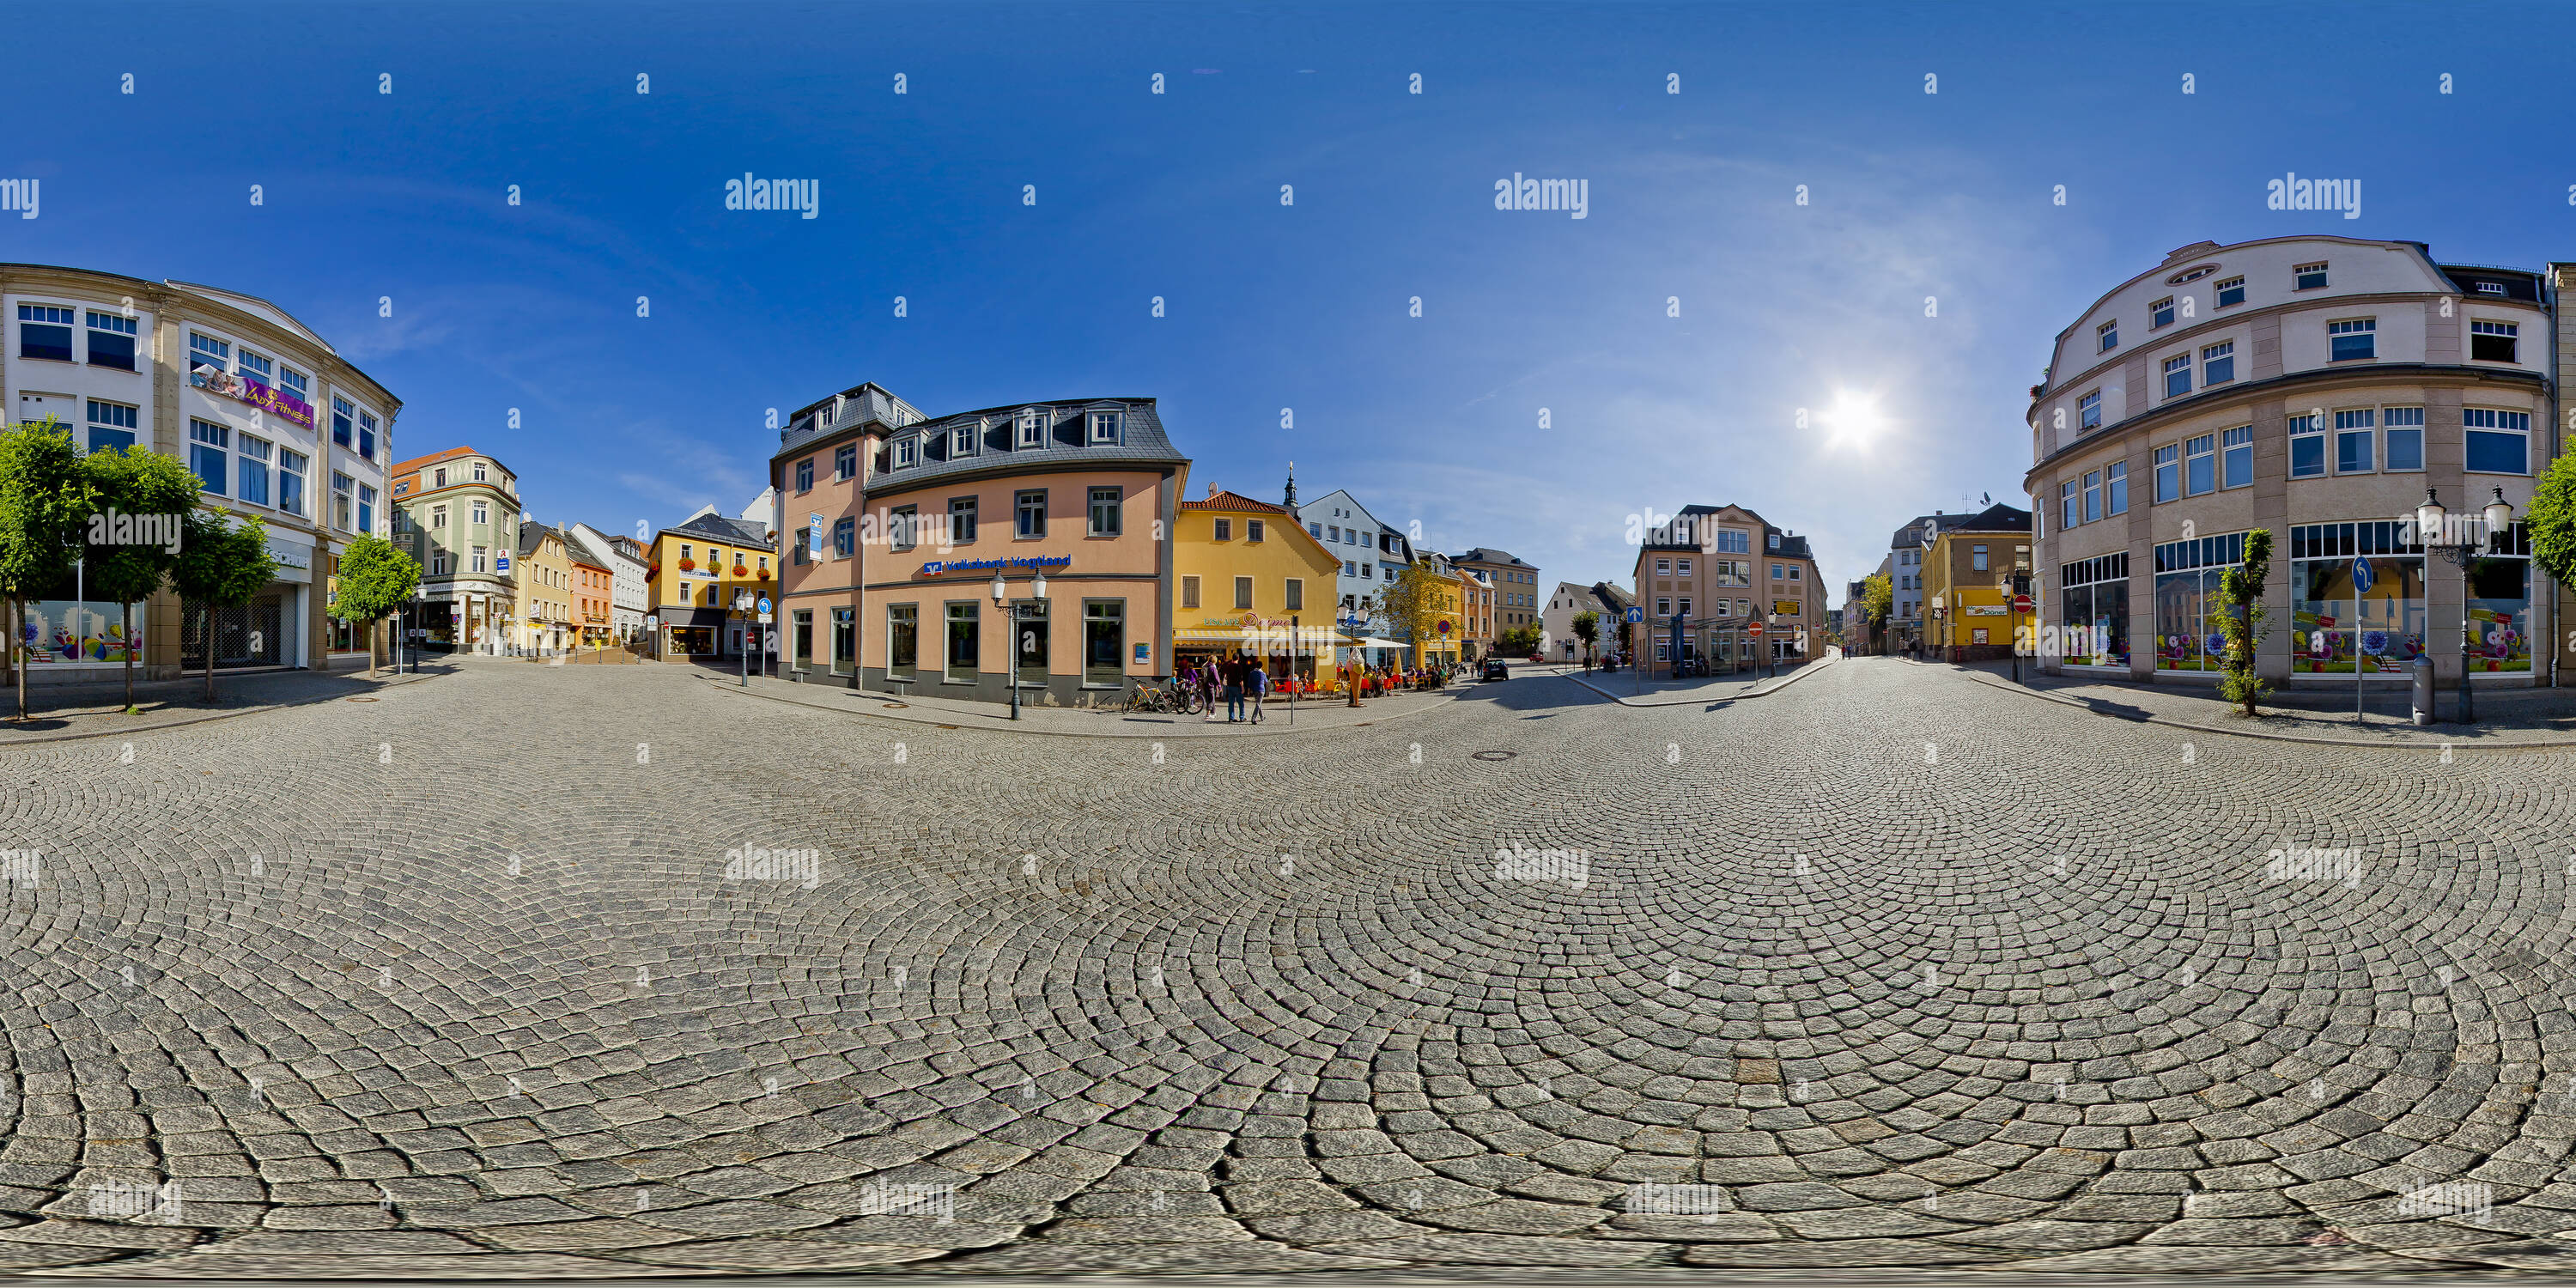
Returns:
point(2342, 597)
point(1082, 644)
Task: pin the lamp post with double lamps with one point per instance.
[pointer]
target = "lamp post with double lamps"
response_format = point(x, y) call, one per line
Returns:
point(2429, 518)
point(742, 605)
point(1011, 615)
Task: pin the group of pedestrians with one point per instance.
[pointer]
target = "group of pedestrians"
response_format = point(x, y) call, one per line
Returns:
point(1244, 682)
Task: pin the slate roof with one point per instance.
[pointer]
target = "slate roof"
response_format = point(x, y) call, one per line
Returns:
point(1994, 518)
point(1482, 555)
point(1789, 548)
point(1141, 442)
point(717, 527)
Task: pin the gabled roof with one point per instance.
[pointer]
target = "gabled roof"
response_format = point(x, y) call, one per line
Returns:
point(1481, 554)
point(708, 525)
point(1220, 499)
point(1615, 598)
point(1994, 518)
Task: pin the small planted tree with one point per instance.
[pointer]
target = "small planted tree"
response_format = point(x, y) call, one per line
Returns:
point(126, 561)
point(222, 563)
point(2552, 520)
point(1877, 600)
point(2241, 621)
point(375, 580)
point(1587, 628)
point(1412, 606)
point(44, 504)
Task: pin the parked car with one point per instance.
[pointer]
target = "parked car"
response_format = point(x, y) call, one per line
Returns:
point(1495, 669)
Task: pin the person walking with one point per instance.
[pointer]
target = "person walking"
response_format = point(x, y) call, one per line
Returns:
point(1260, 689)
point(1207, 689)
point(1233, 690)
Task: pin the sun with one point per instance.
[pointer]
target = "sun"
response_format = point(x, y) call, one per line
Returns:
point(1853, 421)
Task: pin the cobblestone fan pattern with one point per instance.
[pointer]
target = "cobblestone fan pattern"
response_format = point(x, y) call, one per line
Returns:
point(523, 973)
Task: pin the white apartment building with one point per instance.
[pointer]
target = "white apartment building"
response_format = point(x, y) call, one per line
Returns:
point(628, 595)
point(272, 419)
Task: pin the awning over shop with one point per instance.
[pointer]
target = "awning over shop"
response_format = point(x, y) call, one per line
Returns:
point(1349, 642)
point(1255, 641)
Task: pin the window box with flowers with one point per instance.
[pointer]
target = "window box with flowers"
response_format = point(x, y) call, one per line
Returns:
point(740, 570)
point(688, 565)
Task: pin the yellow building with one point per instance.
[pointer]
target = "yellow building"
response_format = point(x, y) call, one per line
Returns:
point(1247, 578)
point(544, 571)
point(695, 569)
point(1448, 628)
point(1967, 611)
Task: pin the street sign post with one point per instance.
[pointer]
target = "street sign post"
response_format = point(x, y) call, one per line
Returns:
point(2361, 579)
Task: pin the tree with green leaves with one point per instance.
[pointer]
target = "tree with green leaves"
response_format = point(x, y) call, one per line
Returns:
point(376, 579)
point(1587, 628)
point(1877, 600)
point(2552, 520)
point(137, 482)
point(44, 505)
point(1520, 641)
point(1413, 605)
point(223, 562)
point(2241, 621)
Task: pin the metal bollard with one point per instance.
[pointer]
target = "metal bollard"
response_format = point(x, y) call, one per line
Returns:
point(2423, 690)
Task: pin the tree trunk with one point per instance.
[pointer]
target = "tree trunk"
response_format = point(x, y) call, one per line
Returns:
point(206, 640)
point(373, 638)
point(128, 611)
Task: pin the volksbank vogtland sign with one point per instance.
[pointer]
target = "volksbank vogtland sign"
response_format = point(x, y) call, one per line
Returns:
point(1031, 563)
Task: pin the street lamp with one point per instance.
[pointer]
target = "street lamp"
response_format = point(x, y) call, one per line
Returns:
point(742, 604)
point(2429, 518)
point(420, 606)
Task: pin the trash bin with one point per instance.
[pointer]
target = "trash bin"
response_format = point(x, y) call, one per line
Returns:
point(2423, 690)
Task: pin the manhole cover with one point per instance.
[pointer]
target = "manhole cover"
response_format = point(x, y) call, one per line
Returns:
point(1496, 755)
point(896, 706)
point(362, 699)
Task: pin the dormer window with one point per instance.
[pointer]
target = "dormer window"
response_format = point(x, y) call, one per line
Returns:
point(1775, 540)
point(2109, 335)
point(906, 450)
point(1104, 427)
point(2490, 288)
point(1033, 428)
point(835, 414)
point(962, 441)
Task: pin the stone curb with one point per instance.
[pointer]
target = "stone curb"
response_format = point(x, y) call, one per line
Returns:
point(1267, 728)
point(29, 740)
point(2415, 745)
point(1749, 694)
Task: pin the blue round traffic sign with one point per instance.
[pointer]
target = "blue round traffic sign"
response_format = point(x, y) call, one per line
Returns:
point(2361, 574)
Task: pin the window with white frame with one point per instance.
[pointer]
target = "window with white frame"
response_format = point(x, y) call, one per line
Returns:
point(344, 422)
point(209, 453)
point(2231, 292)
point(2498, 442)
point(906, 450)
point(2236, 456)
point(481, 473)
point(367, 434)
point(2355, 340)
point(111, 340)
point(438, 563)
point(2115, 488)
point(2355, 439)
point(207, 351)
point(2493, 341)
point(1104, 427)
point(1032, 428)
point(2107, 336)
point(2168, 461)
point(482, 512)
point(2092, 496)
point(481, 555)
point(252, 459)
point(2308, 277)
point(2160, 314)
point(2200, 464)
point(2217, 363)
point(256, 366)
point(343, 500)
point(2089, 410)
point(962, 441)
point(2307, 446)
point(2178, 375)
point(290, 481)
point(292, 381)
point(2401, 437)
point(112, 426)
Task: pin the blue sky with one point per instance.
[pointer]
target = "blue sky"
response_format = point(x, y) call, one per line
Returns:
point(1435, 419)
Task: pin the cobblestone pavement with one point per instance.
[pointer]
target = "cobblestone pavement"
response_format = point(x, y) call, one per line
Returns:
point(523, 974)
point(2507, 717)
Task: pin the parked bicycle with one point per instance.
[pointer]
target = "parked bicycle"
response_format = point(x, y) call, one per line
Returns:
point(1170, 697)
